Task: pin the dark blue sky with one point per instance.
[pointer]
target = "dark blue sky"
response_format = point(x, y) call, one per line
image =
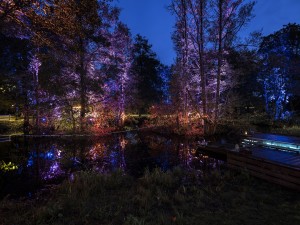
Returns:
point(151, 19)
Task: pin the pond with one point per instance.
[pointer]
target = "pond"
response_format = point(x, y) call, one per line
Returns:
point(31, 164)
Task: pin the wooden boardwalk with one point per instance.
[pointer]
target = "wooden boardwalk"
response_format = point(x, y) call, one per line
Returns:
point(274, 166)
point(271, 171)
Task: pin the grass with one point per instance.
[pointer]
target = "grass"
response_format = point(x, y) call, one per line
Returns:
point(174, 197)
point(288, 130)
point(11, 127)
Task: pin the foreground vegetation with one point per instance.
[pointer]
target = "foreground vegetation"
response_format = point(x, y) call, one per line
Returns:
point(11, 127)
point(175, 197)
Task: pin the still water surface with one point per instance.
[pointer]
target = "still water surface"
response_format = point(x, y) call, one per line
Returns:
point(32, 164)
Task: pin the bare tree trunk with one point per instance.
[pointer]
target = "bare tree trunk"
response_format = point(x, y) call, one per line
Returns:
point(121, 116)
point(37, 113)
point(83, 97)
point(185, 59)
point(73, 121)
point(26, 124)
point(219, 63)
point(201, 63)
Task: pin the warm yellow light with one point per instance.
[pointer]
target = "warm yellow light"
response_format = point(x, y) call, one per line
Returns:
point(77, 107)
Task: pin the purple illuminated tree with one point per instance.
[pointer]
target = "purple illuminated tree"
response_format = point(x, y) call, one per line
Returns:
point(120, 60)
point(205, 33)
point(182, 47)
point(77, 33)
point(230, 17)
point(34, 69)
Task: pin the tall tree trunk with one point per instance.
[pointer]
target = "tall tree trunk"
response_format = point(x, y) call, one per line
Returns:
point(73, 121)
point(26, 124)
point(37, 106)
point(201, 62)
point(122, 105)
point(185, 60)
point(83, 89)
point(219, 63)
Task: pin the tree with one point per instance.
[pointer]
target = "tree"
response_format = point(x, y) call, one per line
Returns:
point(182, 47)
point(280, 57)
point(230, 17)
point(199, 39)
point(12, 12)
point(79, 33)
point(165, 73)
point(245, 65)
point(146, 82)
point(14, 62)
point(119, 61)
point(71, 40)
point(205, 33)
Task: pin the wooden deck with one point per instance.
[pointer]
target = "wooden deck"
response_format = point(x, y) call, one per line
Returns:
point(278, 172)
point(287, 146)
point(271, 171)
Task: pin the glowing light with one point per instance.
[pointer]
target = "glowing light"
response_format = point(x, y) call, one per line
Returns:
point(8, 166)
point(77, 107)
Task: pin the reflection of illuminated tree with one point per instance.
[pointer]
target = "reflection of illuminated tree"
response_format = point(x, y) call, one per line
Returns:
point(123, 143)
point(185, 155)
point(49, 162)
point(46, 163)
point(97, 151)
point(53, 172)
point(192, 160)
point(106, 157)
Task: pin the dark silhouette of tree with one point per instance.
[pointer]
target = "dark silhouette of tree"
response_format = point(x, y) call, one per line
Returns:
point(146, 81)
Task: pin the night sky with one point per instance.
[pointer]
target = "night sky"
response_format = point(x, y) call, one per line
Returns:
point(151, 19)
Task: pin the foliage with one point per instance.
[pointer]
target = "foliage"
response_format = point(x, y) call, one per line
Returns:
point(7, 166)
point(71, 61)
point(205, 34)
point(280, 57)
point(74, 64)
point(146, 82)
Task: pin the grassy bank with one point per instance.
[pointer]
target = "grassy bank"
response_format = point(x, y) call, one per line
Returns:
point(10, 127)
point(158, 198)
point(293, 130)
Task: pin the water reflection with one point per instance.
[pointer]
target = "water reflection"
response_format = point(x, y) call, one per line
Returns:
point(43, 161)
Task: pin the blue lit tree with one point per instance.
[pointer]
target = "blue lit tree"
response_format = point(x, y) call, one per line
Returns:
point(279, 53)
